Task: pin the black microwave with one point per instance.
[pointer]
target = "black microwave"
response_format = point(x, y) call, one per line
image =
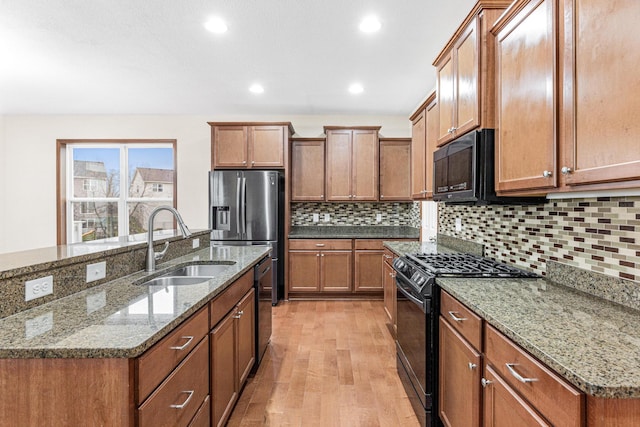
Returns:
point(464, 172)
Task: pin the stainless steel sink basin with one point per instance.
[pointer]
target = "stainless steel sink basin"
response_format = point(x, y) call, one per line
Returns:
point(174, 281)
point(188, 275)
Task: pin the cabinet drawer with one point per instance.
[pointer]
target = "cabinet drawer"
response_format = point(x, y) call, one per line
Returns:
point(463, 320)
point(228, 299)
point(156, 363)
point(373, 244)
point(320, 245)
point(557, 400)
point(179, 397)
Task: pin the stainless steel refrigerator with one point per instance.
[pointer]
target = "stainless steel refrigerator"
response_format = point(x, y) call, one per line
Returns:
point(246, 207)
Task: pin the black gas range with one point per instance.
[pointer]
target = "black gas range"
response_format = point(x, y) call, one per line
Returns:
point(418, 306)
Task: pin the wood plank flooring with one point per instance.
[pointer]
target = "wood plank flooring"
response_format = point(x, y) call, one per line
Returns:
point(330, 363)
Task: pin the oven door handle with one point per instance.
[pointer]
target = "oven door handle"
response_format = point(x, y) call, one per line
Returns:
point(411, 297)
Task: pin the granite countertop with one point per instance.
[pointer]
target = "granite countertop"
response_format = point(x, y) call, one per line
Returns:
point(354, 232)
point(593, 343)
point(119, 319)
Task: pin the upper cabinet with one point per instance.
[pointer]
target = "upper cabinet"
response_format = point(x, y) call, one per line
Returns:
point(249, 145)
point(568, 124)
point(600, 130)
point(424, 134)
point(526, 136)
point(352, 163)
point(464, 72)
point(395, 169)
point(307, 169)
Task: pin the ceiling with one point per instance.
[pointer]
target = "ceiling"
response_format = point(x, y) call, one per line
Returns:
point(155, 57)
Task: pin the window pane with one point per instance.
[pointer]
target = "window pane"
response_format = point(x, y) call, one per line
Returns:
point(139, 217)
point(151, 172)
point(96, 172)
point(94, 220)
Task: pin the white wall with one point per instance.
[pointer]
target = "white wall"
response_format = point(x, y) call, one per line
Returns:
point(29, 161)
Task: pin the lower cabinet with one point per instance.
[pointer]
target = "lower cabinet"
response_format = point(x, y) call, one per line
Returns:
point(320, 265)
point(389, 285)
point(368, 266)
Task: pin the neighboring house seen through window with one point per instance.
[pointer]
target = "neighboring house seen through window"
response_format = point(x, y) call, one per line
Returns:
point(111, 187)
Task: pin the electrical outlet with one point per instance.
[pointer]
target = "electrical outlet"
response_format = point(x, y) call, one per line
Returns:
point(316, 217)
point(38, 325)
point(458, 224)
point(195, 244)
point(96, 271)
point(378, 217)
point(327, 217)
point(96, 301)
point(37, 288)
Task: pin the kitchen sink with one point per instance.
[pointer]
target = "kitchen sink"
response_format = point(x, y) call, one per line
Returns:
point(189, 275)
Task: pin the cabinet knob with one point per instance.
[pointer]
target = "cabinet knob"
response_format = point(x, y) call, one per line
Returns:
point(472, 366)
point(244, 162)
point(253, 162)
point(381, 196)
point(547, 174)
point(485, 382)
point(321, 254)
point(566, 170)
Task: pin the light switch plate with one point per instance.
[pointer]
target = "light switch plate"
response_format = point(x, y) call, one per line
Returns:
point(37, 288)
point(316, 217)
point(458, 224)
point(378, 217)
point(196, 243)
point(96, 271)
point(327, 217)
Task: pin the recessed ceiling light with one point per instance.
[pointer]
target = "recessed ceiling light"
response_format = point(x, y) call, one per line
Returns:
point(256, 88)
point(370, 24)
point(216, 25)
point(356, 88)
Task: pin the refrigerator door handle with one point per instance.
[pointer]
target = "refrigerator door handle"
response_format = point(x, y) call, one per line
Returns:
point(239, 205)
point(243, 205)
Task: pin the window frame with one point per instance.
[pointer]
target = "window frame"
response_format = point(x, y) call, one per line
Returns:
point(64, 184)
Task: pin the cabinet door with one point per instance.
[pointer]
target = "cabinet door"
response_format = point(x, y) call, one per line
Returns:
point(460, 368)
point(245, 319)
point(418, 156)
point(307, 170)
point(395, 170)
point(224, 379)
point(466, 53)
point(389, 283)
point(446, 99)
point(432, 145)
point(503, 407)
point(266, 146)
point(364, 161)
point(230, 146)
point(369, 270)
point(338, 165)
point(335, 271)
point(601, 84)
point(304, 271)
point(526, 134)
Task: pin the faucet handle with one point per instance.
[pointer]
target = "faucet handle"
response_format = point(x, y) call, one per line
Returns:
point(159, 255)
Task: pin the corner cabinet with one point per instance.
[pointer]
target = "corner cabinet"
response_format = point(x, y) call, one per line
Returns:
point(352, 163)
point(307, 169)
point(249, 145)
point(424, 131)
point(464, 74)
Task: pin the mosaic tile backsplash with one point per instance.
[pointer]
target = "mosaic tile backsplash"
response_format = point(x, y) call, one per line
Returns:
point(597, 234)
point(392, 214)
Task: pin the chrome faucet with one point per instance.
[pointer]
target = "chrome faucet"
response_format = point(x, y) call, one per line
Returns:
point(152, 256)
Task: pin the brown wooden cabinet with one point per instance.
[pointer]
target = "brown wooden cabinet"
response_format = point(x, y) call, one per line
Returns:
point(352, 159)
point(395, 169)
point(464, 74)
point(368, 265)
point(423, 143)
point(320, 265)
point(232, 356)
point(249, 145)
point(307, 169)
point(526, 137)
point(389, 283)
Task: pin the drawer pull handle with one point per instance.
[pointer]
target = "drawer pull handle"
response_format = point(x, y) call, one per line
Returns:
point(182, 347)
point(320, 245)
point(183, 404)
point(472, 366)
point(517, 375)
point(456, 318)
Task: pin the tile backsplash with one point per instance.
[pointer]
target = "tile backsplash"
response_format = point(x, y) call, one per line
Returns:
point(597, 234)
point(391, 214)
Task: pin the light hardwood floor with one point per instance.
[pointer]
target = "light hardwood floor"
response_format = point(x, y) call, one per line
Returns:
point(330, 363)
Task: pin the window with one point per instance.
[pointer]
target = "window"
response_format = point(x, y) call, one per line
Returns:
point(109, 188)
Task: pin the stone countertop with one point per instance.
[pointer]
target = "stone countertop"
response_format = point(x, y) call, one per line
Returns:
point(593, 343)
point(354, 232)
point(120, 319)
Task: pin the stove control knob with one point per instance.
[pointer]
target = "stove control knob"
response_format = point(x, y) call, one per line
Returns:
point(400, 265)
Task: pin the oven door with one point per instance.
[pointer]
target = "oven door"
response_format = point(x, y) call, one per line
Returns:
point(412, 335)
